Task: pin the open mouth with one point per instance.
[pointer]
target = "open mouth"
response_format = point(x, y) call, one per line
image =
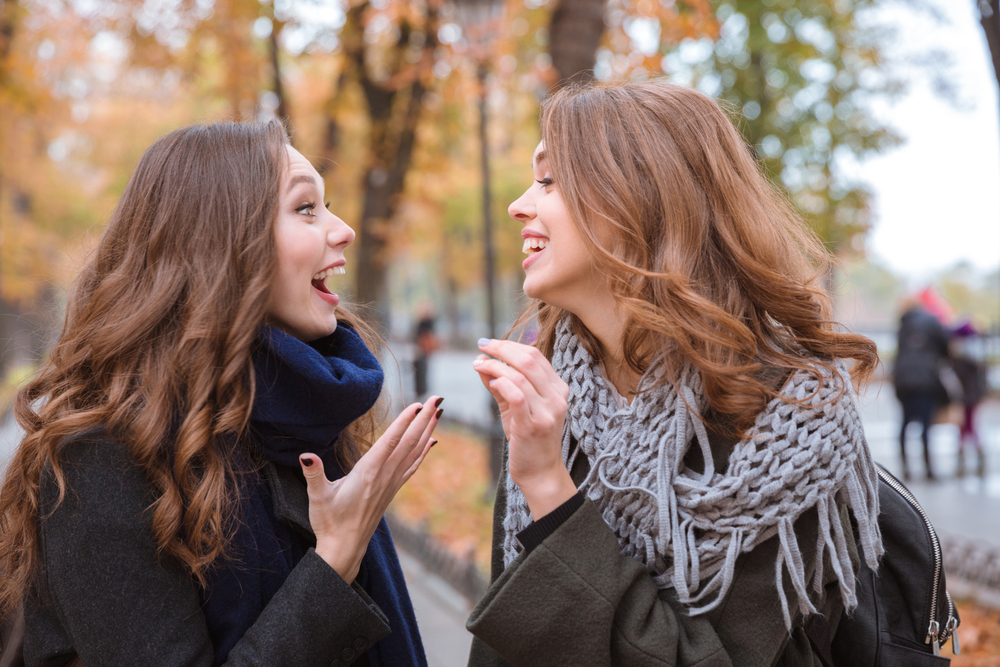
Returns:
point(534, 244)
point(319, 280)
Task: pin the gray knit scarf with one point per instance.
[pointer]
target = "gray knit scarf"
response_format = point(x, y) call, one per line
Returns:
point(688, 529)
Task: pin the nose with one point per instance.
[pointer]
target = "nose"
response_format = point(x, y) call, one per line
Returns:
point(522, 209)
point(340, 234)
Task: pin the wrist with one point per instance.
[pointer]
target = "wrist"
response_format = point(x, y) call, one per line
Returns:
point(340, 558)
point(546, 493)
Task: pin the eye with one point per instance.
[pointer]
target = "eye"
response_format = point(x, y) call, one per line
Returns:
point(545, 182)
point(307, 209)
point(327, 205)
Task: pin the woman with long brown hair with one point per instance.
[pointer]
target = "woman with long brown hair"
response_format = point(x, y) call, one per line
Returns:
point(685, 458)
point(195, 486)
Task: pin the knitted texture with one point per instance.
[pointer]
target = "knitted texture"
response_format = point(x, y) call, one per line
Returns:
point(689, 528)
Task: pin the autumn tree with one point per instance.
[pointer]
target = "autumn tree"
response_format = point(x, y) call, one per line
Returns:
point(388, 54)
point(575, 32)
point(801, 78)
point(40, 84)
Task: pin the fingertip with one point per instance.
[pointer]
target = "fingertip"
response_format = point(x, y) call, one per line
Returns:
point(306, 460)
point(483, 342)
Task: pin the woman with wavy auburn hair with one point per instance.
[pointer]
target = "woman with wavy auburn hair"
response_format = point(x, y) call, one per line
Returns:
point(195, 486)
point(685, 458)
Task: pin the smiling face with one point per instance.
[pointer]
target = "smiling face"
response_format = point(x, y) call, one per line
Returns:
point(560, 269)
point(310, 243)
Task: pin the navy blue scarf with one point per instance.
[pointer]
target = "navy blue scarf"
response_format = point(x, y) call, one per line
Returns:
point(307, 394)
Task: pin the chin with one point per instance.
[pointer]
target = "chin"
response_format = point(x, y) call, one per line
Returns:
point(530, 290)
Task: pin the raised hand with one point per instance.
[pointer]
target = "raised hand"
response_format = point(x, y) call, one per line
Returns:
point(345, 513)
point(532, 400)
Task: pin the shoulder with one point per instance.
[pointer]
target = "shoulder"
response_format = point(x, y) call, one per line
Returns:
point(101, 480)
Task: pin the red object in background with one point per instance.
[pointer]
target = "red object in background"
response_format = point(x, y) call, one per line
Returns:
point(936, 305)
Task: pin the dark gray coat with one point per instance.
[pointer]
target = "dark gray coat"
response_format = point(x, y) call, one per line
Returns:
point(575, 601)
point(104, 592)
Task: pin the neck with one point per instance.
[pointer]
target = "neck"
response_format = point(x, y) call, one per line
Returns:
point(608, 327)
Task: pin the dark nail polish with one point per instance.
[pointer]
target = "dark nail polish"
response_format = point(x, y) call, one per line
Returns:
point(307, 462)
point(437, 403)
point(418, 411)
point(439, 413)
point(433, 442)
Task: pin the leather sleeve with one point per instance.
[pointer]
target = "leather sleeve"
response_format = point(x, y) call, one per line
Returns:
point(121, 603)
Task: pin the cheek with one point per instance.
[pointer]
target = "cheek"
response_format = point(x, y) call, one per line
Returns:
point(296, 253)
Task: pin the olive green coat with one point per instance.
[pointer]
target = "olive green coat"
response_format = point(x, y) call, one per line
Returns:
point(575, 600)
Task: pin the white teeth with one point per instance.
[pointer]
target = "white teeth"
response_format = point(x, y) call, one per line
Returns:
point(326, 273)
point(533, 243)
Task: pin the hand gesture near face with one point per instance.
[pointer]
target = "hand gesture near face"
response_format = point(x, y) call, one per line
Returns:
point(345, 513)
point(532, 400)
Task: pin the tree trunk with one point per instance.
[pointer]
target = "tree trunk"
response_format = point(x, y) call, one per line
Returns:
point(279, 89)
point(394, 108)
point(990, 20)
point(574, 35)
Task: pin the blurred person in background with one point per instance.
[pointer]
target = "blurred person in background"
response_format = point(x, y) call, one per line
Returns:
point(972, 375)
point(922, 347)
point(195, 486)
point(672, 491)
point(425, 342)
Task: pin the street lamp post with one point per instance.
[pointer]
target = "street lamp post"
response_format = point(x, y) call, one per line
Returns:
point(480, 20)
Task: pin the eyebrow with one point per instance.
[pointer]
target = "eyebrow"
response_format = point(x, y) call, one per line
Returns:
point(539, 157)
point(301, 178)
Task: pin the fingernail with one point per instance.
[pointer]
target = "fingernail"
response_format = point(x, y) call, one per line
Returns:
point(437, 403)
point(306, 462)
point(433, 442)
point(439, 413)
point(478, 362)
point(492, 381)
point(418, 411)
point(483, 342)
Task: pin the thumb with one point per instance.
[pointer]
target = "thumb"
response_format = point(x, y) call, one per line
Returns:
point(312, 468)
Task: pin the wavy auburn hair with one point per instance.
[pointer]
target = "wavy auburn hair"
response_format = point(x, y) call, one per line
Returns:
point(707, 260)
point(157, 341)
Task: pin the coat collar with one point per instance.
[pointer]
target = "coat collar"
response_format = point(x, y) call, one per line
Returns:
point(289, 496)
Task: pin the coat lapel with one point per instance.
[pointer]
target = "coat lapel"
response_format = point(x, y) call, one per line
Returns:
point(290, 497)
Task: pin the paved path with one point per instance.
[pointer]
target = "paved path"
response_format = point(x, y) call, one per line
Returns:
point(441, 613)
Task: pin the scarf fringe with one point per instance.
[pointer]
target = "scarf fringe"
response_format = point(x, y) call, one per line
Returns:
point(690, 529)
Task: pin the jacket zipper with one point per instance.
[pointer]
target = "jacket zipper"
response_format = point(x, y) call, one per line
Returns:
point(935, 635)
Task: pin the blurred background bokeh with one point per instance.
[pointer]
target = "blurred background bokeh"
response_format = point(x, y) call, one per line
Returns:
point(878, 117)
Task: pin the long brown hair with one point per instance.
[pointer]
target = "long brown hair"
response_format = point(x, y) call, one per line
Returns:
point(156, 344)
point(706, 259)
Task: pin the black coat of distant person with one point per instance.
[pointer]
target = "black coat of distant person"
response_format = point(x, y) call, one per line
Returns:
point(923, 343)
